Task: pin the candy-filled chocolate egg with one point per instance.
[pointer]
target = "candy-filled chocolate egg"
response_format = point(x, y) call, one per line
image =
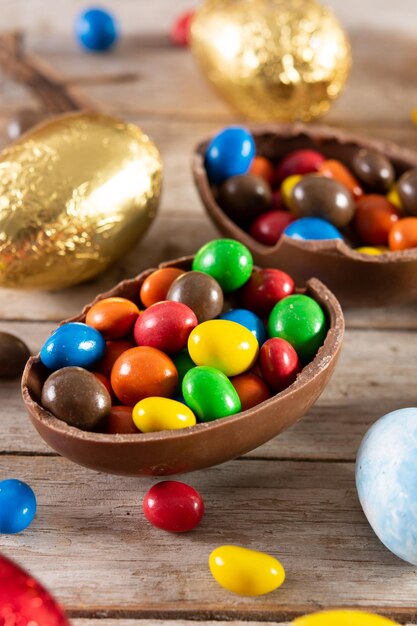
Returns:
point(323, 197)
point(76, 194)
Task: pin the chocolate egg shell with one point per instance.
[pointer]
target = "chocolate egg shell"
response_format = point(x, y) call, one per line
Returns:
point(77, 193)
point(323, 197)
point(407, 190)
point(201, 292)
point(245, 197)
point(203, 445)
point(13, 355)
point(373, 169)
point(358, 280)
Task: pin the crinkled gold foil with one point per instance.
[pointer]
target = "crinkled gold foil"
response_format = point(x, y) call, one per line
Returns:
point(76, 193)
point(272, 59)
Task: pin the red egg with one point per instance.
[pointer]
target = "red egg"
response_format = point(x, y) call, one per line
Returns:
point(279, 363)
point(173, 506)
point(264, 289)
point(180, 29)
point(374, 218)
point(298, 162)
point(269, 226)
point(165, 326)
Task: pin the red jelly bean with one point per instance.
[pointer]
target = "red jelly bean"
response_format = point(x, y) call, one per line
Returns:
point(156, 286)
point(120, 421)
point(173, 506)
point(263, 168)
point(264, 289)
point(374, 218)
point(113, 350)
point(165, 326)
point(113, 317)
point(180, 29)
point(269, 226)
point(251, 390)
point(279, 363)
point(298, 162)
point(336, 170)
point(403, 234)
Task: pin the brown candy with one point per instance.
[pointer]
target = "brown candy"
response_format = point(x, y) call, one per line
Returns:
point(200, 292)
point(323, 197)
point(13, 355)
point(245, 197)
point(373, 169)
point(75, 396)
point(407, 190)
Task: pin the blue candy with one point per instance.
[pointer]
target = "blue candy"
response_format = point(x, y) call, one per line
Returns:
point(311, 228)
point(17, 506)
point(248, 319)
point(96, 29)
point(73, 344)
point(386, 480)
point(229, 153)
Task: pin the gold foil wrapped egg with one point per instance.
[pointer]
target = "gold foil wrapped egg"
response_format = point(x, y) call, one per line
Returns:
point(272, 59)
point(76, 193)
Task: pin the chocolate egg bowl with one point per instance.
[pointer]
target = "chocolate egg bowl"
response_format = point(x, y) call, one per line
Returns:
point(199, 446)
point(356, 279)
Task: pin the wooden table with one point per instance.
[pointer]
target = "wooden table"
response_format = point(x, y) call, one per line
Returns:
point(295, 496)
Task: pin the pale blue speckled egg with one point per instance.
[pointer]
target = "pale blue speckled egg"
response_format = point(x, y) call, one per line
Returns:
point(386, 480)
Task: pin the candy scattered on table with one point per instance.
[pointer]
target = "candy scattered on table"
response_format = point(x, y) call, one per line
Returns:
point(343, 618)
point(173, 506)
point(246, 572)
point(386, 480)
point(191, 346)
point(96, 30)
point(13, 355)
point(17, 507)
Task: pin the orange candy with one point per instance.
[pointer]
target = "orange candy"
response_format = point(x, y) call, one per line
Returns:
point(335, 169)
point(120, 421)
point(374, 218)
point(113, 317)
point(403, 234)
point(263, 168)
point(251, 390)
point(156, 286)
point(142, 372)
point(113, 350)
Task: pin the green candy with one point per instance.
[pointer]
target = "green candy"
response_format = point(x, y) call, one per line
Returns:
point(226, 260)
point(301, 321)
point(183, 362)
point(209, 393)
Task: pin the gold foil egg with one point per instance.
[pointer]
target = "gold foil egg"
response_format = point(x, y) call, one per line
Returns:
point(272, 59)
point(76, 193)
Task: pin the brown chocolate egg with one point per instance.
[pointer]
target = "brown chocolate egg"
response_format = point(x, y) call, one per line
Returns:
point(374, 170)
point(407, 190)
point(201, 292)
point(323, 197)
point(245, 197)
point(13, 355)
point(75, 396)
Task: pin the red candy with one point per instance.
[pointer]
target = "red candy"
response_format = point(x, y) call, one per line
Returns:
point(173, 506)
point(180, 30)
point(113, 350)
point(264, 289)
point(298, 162)
point(268, 227)
point(374, 218)
point(120, 421)
point(104, 381)
point(278, 203)
point(279, 363)
point(165, 326)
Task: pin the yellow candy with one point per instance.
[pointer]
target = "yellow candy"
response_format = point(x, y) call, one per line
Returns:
point(343, 618)
point(414, 116)
point(246, 572)
point(154, 414)
point(393, 197)
point(287, 186)
point(224, 345)
point(369, 250)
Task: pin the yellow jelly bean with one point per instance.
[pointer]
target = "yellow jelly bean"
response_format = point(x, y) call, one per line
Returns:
point(224, 345)
point(343, 618)
point(393, 197)
point(246, 572)
point(287, 186)
point(153, 414)
point(369, 250)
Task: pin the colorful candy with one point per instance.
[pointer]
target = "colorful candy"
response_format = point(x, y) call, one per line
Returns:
point(407, 191)
point(17, 506)
point(173, 506)
point(369, 250)
point(245, 197)
point(279, 363)
point(113, 350)
point(224, 345)
point(374, 218)
point(76, 397)
point(269, 226)
point(180, 29)
point(96, 29)
point(199, 291)
point(264, 289)
point(120, 421)
point(13, 355)
point(248, 319)
point(338, 172)
point(299, 162)
point(155, 287)
point(251, 390)
point(343, 618)
point(229, 153)
point(374, 170)
point(246, 572)
point(263, 167)
point(403, 235)
point(183, 362)
point(210, 394)
point(314, 196)
point(113, 317)
point(226, 260)
point(299, 320)
point(165, 326)
point(154, 414)
point(287, 188)
point(312, 229)
point(73, 344)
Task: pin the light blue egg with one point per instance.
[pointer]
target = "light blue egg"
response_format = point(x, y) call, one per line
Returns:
point(247, 318)
point(17, 506)
point(73, 344)
point(386, 480)
point(311, 229)
point(229, 153)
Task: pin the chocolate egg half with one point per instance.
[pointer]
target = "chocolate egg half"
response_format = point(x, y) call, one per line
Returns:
point(76, 193)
